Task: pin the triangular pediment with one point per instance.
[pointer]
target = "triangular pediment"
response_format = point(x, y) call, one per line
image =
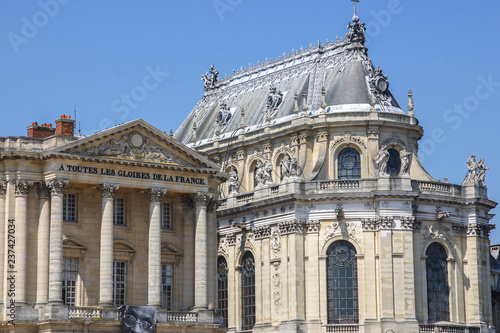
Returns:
point(135, 141)
point(169, 249)
point(74, 243)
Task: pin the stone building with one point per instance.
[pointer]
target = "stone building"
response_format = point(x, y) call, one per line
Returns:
point(329, 222)
point(88, 224)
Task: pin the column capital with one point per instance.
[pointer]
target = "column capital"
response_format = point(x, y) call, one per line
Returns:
point(57, 186)
point(155, 194)
point(3, 187)
point(43, 190)
point(22, 186)
point(108, 190)
point(205, 200)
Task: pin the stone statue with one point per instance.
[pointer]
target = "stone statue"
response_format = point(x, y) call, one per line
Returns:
point(481, 171)
point(233, 181)
point(290, 166)
point(259, 178)
point(381, 161)
point(210, 79)
point(404, 156)
point(268, 170)
point(476, 173)
point(471, 177)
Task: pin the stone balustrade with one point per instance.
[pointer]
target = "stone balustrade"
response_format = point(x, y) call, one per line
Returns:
point(341, 328)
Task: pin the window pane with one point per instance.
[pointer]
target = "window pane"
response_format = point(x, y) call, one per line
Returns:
point(70, 277)
point(167, 277)
point(247, 292)
point(437, 283)
point(349, 164)
point(222, 289)
point(342, 284)
point(394, 163)
point(119, 211)
point(119, 282)
point(166, 216)
point(69, 207)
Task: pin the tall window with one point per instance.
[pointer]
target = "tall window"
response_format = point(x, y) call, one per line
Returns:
point(394, 163)
point(119, 211)
point(342, 284)
point(222, 287)
point(167, 283)
point(349, 164)
point(437, 283)
point(69, 207)
point(119, 282)
point(247, 292)
point(166, 216)
point(70, 277)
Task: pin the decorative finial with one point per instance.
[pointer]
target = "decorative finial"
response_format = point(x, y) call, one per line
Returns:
point(296, 108)
point(411, 103)
point(372, 98)
point(242, 124)
point(171, 132)
point(304, 101)
point(355, 18)
point(323, 103)
point(194, 130)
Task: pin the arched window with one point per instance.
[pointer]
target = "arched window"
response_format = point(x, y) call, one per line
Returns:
point(437, 283)
point(222, 304)
point(247, 292)
point(394, 163)
point(342, 284)
point(349, 164)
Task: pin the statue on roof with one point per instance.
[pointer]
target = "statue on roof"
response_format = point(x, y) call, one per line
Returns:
point(477, 172)
point(210, 79)
point(233, 181)
point(274, 99)
point(223, 116)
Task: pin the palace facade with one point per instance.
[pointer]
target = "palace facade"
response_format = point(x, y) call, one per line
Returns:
point(329, 222)
point(88, 224)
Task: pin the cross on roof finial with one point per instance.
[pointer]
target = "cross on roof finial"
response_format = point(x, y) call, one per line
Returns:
point(355, 12)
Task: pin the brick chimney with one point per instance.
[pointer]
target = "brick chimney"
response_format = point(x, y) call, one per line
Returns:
point(65, 126)
point(41, 132)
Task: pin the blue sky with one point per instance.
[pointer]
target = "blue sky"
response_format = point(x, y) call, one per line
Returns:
point(55, 54)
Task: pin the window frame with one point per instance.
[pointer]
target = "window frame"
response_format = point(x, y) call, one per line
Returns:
point(166, 225)
point(339, 284)
point(123, 283)
point(222, 290)
point(248, 292)
point(341, 169)
point(167, 287)
point(119, 211)
point(70, 210)
point(70, 285)
point(442, 277)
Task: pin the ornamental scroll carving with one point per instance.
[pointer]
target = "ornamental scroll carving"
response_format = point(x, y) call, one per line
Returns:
point(436, 231)
point(276, 243)
point(22, 186)
point(290, 227)
point(262, 232)
point(374, 224)
point(223, 244)
point(347, 139)
point(313, 226)
point(408, 222)
point(340, 228)
point(133, 146)
point(276, 286)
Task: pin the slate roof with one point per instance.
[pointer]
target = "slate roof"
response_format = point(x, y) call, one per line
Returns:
point(343, 68)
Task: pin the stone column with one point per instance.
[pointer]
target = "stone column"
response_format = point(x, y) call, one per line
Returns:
point(201, 252)
point(56, 240)
point(43, 234)
point(22, 188)
point(188, 256)
point(154, 248)
point(3, 237)
point(106, 253)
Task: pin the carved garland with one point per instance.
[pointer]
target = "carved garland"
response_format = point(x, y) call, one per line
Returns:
point(347, 139)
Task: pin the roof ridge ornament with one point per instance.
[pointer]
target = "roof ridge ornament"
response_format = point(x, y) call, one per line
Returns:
point(210, 79)
point(356, 33)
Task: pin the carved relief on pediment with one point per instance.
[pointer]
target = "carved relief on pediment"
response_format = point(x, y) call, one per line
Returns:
point(132, 146)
